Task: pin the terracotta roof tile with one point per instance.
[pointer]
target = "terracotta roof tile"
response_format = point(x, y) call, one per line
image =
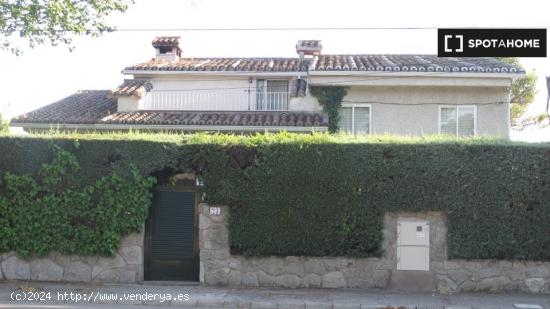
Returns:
point(223, 118)
point(309, 44)
point(389, 63)
point(133, 87)
point(162, 41)
point(86, 106)
point(225, 64)
point(411, 63)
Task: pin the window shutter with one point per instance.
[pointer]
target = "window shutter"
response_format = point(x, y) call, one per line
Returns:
point(293, 87)
point(302, 87)
point(297, 87)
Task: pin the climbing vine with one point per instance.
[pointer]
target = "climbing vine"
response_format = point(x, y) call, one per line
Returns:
point(330, 98)
point(50, 211)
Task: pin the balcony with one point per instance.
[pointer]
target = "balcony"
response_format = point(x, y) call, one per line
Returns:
point(235, 100)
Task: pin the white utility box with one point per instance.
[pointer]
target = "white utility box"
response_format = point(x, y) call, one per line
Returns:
point(413, 245)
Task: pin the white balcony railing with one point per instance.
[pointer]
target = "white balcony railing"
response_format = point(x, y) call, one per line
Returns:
point(215, 101)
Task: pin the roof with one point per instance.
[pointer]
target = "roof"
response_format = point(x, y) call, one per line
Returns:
point(99, 107)
point(324, 63)
point(85, 106)
point(220, 118)
point(225, 64)
point(412, 63)
point(133, 87)
point(166, 41)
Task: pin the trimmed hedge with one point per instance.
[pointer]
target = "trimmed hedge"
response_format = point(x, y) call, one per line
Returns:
point(322, 195)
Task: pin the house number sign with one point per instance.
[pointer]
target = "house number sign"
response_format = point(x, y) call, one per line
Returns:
point(215, 211)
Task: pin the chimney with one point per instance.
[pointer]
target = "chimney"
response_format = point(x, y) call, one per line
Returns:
point(167, 48)
point(309, 48)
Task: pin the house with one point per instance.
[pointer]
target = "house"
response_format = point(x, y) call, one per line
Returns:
point(394, 94)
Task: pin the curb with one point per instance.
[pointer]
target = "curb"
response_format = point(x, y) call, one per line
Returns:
point(219, 303)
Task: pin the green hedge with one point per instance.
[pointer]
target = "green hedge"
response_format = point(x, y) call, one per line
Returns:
point(52, 211)
point(322, 195)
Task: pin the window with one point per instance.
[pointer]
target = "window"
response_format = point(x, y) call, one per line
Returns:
point(457, 120)
point(271, 95)
point(355, 119)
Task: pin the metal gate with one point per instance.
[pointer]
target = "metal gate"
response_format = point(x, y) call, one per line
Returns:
point(171, 248)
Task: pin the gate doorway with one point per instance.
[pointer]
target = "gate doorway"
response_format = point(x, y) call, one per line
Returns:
point(171, 236)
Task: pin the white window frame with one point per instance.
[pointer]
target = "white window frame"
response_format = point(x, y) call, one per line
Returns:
point(353, 106)
point(456, 107)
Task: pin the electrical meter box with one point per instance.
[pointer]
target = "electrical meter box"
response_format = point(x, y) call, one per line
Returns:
point(413, 245)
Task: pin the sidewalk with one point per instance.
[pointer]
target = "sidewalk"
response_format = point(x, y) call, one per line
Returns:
point(209, 297)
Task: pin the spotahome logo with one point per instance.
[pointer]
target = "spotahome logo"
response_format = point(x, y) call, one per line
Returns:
point(491, 42)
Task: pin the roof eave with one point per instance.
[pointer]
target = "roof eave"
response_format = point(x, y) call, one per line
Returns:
point(328, 73)
point(417, 74)
point(101, 126)
point(221, 73)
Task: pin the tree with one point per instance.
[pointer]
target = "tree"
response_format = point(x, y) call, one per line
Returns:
point(39, 22)
point(548, 97)
point(4, 125)
point(523, 91)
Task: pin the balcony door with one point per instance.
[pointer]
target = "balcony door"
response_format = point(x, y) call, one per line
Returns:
point(272, 95)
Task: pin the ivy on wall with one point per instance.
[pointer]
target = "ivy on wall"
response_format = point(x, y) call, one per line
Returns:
point(330, 98)
point(290, 194)
point(50, 211)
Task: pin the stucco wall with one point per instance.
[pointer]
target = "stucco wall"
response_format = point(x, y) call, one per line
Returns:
point(127, 104)
point(221, 92)
point(125, 267)
point(403, 117)
point(219, 267)
point(305, 103)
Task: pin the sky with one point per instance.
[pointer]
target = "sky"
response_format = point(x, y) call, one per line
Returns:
point(46, 74)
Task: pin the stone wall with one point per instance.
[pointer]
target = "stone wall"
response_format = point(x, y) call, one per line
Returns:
point(492, 276)
point(219, 267)
point(125, 267)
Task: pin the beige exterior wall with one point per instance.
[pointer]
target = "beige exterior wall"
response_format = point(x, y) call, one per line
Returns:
point(201, 82)
point(127, 104)
point(307, 103)
point(405, 117)
point(219, 92)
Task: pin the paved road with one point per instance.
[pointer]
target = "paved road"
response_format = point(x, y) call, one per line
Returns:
point(208, 297)
point(80, 306)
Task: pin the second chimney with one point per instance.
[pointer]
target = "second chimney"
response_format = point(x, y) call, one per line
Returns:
point(309, 48)
point(167, 48)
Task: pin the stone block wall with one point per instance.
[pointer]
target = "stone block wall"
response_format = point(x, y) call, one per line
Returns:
point(492, 276)
point(125, 267)
point(219, 267)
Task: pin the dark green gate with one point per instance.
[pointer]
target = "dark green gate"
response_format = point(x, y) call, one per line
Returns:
point(171, 245)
